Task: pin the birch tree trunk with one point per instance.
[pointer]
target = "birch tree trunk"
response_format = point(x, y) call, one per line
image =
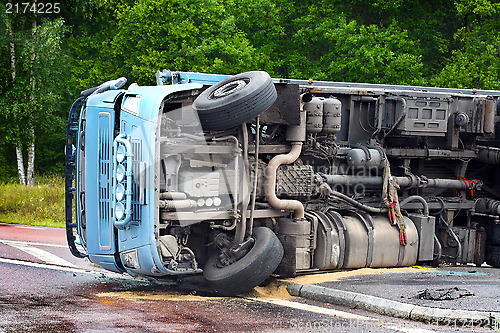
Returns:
point(30, 174)
point(20, 166)
point(12, 51)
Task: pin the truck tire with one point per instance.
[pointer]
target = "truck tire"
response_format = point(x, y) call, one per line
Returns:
point(251, 270)
point(493, 256)
point(235, 100)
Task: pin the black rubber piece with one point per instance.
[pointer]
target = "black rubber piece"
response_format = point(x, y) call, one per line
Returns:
point(251, 270)
point(494, 236)
point(88, 92)
point(235, 100)
point(493, 256)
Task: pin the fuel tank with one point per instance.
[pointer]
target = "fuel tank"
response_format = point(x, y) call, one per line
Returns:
point(355, 239)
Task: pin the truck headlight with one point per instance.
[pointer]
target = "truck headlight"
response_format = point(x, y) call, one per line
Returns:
point(120, 173)
point(120, 153)
point(119, 211)
point(120, 192)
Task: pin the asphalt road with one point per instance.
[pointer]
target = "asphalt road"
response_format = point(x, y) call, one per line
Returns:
point(44, 289)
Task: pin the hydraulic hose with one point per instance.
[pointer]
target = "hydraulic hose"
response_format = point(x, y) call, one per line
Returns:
point(177, 204)
point(173, 196)
point(357, 204)
point(327, 190)
point(417, 198)
point(256, 174)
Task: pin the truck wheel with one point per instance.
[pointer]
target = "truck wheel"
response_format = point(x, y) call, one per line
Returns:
point(251, 270)
point(493, 256)
point(235, 100)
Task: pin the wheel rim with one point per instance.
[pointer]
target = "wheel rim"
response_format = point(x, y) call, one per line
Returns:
point(228, 89)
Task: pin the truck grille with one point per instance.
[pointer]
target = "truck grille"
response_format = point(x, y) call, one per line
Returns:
point(136, 159)
point(105, 131)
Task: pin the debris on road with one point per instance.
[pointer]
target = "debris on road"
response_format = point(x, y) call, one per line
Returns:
point(443, 294)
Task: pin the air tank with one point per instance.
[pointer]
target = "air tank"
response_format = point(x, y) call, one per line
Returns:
point(331, 116)
point(314, 113)
point(361, 158)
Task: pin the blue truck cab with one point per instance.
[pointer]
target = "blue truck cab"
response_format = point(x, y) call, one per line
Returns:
point(239, 177)
point(115, 208)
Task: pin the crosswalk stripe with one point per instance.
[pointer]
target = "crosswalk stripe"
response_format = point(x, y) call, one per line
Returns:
point(70, 269)
point(9, 242)
point(338, 313)
point(43, 255)
point(38, 265)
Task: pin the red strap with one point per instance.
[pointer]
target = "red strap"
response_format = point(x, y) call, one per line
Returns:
point(392, 216)
point(469, 183)
point(403, 239)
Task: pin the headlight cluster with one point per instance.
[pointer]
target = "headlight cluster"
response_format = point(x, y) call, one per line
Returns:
point(120, 186)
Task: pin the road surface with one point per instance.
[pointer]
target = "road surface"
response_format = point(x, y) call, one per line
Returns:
point(44, 289)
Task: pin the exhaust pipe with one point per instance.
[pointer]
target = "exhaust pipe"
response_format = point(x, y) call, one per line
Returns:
point(270, 178)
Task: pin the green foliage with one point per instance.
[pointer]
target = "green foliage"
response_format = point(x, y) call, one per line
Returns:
point(436, 42)
point(183, 35)
point(383, 41)
point(42, 204)
point(93, 25)
point(8, 164)
point(36, 99)
point(475, 63)
point(342, 50)
point(477, 8)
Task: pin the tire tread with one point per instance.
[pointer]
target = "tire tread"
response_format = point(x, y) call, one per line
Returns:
point(242, 275)
point(493, 256)
point(215, 115)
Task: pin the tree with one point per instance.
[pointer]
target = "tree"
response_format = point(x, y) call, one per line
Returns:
point(335, 48)
point(35, 85)
point(92, 25)
point(475, 62)
point(181, 35)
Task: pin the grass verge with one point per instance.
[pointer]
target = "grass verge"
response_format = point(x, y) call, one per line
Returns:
point(40, 205)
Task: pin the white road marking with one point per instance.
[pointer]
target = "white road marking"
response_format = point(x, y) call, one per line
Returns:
point(9, 242)
point(40, 254)
point(311, 308)
point(53, 267)
point(69, 269)
point(20, 226)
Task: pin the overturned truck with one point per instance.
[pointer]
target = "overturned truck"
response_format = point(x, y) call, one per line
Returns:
point(240, 177)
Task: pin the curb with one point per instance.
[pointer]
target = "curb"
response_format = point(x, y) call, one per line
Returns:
point(392, 308)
